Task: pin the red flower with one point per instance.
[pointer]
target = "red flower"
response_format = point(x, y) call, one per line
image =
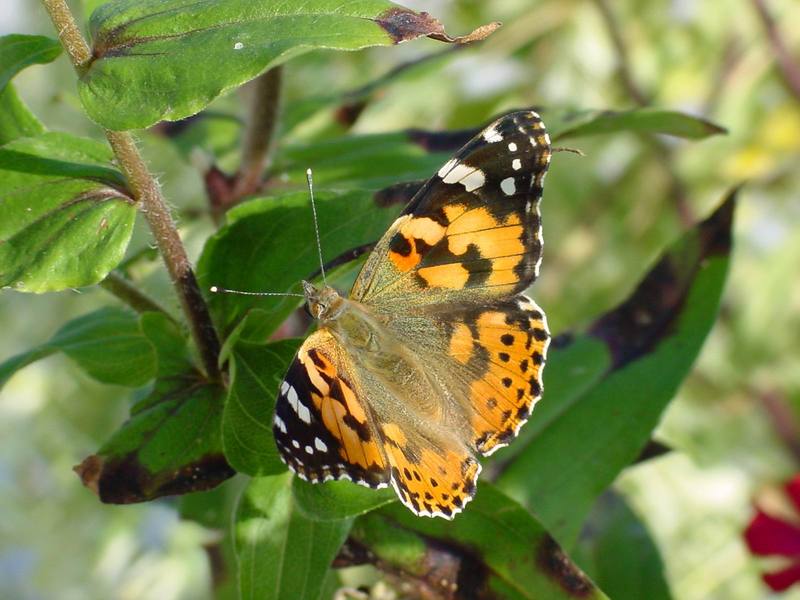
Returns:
point(770, 536)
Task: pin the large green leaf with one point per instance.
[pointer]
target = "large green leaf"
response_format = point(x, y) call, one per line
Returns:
point(170, 445)
point(494, 549)
point(146, 54)
point(653, 339)
point(172, 442)
point(256, 373)
point(18, 51)
point(16, 119)
point(282, 554)
point(338, 499)
point(268, 245)
point(65, 218)
point(112, 345)
point(368, 161)
point(642, 120)
point(617, 550)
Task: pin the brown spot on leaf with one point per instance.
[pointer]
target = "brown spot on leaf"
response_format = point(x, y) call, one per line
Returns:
point(403, 24)
point(648, 316)
point(558, 566)
point(124, 480)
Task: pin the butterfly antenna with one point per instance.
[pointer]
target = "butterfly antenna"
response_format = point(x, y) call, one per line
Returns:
point(316, 224)
point(221, 290)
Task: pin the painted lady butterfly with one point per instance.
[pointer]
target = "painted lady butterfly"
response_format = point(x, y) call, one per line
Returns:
point(436, 356)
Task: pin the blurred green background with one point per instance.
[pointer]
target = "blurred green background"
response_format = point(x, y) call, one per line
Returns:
point(733, 426)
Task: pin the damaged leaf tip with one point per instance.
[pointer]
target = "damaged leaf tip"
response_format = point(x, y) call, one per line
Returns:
point(402, 25)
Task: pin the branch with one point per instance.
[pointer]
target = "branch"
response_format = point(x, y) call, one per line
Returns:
point(624, 71)
point(147, 194)
point(787, 67)
point(122, 288)
point(260, 132)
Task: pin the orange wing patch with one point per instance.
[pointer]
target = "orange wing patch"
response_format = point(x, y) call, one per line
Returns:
point(509, 344)
point(341, 412)
point(429, 481)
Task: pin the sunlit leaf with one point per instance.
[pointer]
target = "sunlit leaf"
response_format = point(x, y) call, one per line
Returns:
point(282, 554)
point(16, 119)
point(146, 54)
point(65, 219)
point(256, 373)
point(338, 499)
point(19, 51)
point(268, 245)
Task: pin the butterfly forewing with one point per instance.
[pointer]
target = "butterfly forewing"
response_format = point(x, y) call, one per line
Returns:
point(473, 231)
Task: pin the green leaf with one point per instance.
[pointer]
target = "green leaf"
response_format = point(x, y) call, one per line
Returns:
point(268, 245)
point(146, 54)
point(494, 549)
point(112, 345)
point(338, 499)
point(256, 373)
point(643, 120)
point(368, 161)
point(653, 339)
point(16, 119)
point(170, 445)
point(18, 51)
point(281, 553)
point(617, 550)
point(65, 220)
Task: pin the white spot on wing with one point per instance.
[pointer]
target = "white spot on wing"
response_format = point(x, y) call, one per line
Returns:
point(291, 395)
point(516, 164)
point(447, 167)
point(470, 177)
point(491, 135)
point(512, 146)
point(309, 450)
point(303, 413)
point(320, 445)
point(295, 443)
point(280, 424)
point(284, 388)
point(508, 186)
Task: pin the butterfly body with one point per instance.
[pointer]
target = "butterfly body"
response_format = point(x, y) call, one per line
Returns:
point(436, 356)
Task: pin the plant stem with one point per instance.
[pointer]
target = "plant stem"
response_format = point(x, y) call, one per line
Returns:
point(122, 288)
point(788, 68)
point(263, 121)
point(147, 194)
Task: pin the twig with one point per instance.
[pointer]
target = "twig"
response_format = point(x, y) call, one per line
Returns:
point(260, 132)
point(677, 192)
point(122, 288)
point(788, 68)
point(147, 194)
point(623, 64)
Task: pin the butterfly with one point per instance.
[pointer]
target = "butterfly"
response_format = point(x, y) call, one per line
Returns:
point(436, 356)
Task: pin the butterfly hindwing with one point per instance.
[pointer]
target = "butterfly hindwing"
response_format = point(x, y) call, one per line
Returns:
point(321, 426)
point(473, 230)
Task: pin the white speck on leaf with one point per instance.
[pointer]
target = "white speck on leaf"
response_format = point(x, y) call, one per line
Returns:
point(238, 46)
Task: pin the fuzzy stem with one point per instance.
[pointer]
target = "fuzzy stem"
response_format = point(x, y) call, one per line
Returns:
point(147, 194)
